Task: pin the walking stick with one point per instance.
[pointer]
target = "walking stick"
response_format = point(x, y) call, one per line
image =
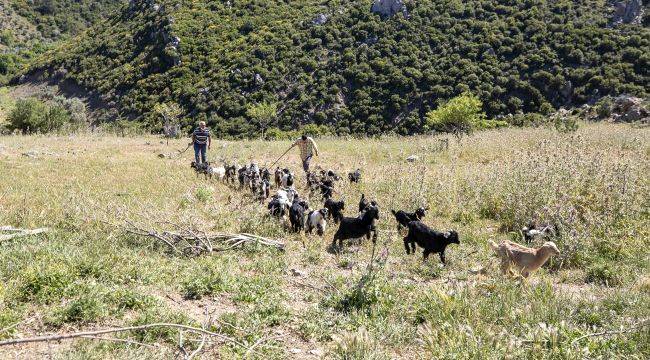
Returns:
point(276, 161)
point(188, 146)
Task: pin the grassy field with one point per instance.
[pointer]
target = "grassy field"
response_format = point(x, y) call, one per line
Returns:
point(89, 274)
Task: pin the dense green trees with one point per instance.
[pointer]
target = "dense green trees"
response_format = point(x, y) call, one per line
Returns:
point(356, 73)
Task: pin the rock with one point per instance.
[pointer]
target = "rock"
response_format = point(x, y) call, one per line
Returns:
point(413, 158)
point(628, 12)
point(388, 8)
point(22, 79)
point(175, 41)
point(164, 156)
point(320, 19)
point(295, 351)
point(296, 272)
point(629, 109)
point(30, 154)
point(480, 270)
point(316, 352)
point(258, 80)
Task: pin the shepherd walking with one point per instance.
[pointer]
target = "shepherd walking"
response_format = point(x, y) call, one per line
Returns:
point(307, 148)
point(202, 141)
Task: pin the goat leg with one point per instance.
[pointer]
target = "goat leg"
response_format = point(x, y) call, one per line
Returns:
point(442, 258)
point(425, 254)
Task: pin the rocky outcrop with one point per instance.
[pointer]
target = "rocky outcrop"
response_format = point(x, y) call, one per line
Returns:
point(629, 109)
point(628, 12)
point(320, 19)
point(388, 8)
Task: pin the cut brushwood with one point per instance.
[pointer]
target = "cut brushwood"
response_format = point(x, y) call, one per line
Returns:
point(195, 242)
point(16, 233)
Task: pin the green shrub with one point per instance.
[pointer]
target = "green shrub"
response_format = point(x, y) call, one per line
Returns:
point(127, 299)
point(200, 285)
point(34, 116)
point(86, 308)
point(45, 285)
point(604, 274)
point(204, 194)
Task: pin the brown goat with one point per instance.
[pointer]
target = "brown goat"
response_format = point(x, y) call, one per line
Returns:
point(524, 259)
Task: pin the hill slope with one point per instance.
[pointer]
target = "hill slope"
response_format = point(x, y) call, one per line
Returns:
point(338, 63)
point(29, 27)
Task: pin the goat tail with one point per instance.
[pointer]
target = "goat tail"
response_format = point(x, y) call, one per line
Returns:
point(494, 246)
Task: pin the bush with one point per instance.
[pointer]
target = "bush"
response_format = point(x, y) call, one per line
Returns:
point(34, 116)
point(204, 194)
point(602, 273)
point(45, 285)
point(88, 307)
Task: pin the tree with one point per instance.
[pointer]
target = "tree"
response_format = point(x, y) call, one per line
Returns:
point(169, 113)
point(460, 115)
point(263, 114)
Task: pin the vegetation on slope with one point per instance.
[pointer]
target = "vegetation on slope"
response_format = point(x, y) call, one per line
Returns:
point(28, 28)
point(356, 72)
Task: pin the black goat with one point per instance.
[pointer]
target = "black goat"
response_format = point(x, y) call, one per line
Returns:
point(355, 176)
point(404, 218)
point(265, 174)
point(356, 227)
point(335, 209)
point(297, 214)
point(242, 176)
point(231, 173)
point(364, 203)
point(430, 240)
point(326, 188)
point(201, 168)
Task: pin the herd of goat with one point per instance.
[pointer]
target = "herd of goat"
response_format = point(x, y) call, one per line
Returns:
point(287, 203)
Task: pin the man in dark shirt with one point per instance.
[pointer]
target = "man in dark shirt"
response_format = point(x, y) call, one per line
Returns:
point(201, 140)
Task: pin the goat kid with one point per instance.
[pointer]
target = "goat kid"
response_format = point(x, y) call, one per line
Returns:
point(525, 260)
point(355, 176)
point(404, 218)
point(431, 241)
point(335, 209)
point(357, 227)
point(297, 214)
point(364, 204)
point(316, 220)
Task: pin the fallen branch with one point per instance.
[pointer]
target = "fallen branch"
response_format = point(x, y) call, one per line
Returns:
point(193, 242)
point(615, 332)
point(20, 232)
point(59, 337)
point(126, 341)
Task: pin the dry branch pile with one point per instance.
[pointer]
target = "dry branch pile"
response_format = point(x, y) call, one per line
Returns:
point(16, 233)
point(191, 242)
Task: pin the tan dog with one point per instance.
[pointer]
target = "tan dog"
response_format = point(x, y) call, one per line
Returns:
point(525, 260)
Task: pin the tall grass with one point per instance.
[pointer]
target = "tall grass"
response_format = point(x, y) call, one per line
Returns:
point(593, 186)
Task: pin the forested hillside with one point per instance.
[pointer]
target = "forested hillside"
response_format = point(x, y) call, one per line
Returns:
point(339, 64)
point(29, 27)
